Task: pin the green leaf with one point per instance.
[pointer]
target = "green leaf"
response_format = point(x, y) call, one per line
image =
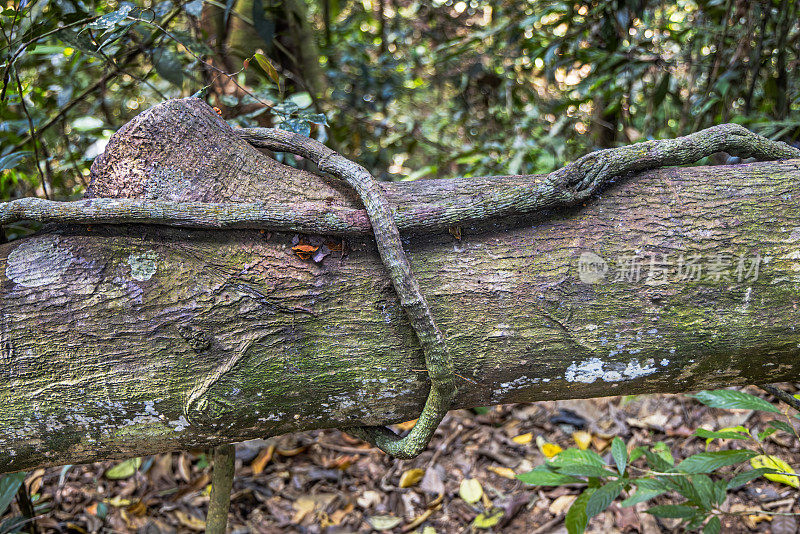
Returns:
point(711, 435)
point(168, 66)
point(656, 462)
point(265, 64)
point(714, 526)
point(584, 470)
point(576, 517)
point(740, 479)
point(767, 432)
point(661, 90)
point(9, 161)
point(672, 511)
point(541, 476)
point(706, 462)
point(704, 489)
point(720, 491)
point(575, 456)
point(730, 399)
point(602, 498)
point(781, 425)
point(642, 495)
point(285, 108)
point(620, 454)
point(662, 450)
point(316, 118)
point(298, 126)
point(125, 469)
point(636, 453)
point(9, 484)
point(112, 19)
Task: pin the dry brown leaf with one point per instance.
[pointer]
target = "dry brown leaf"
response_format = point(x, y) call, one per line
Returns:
point(406, 426)
point(304, 248)
point(137, 508)
point(260, 462)
point(339, 515)
point(198, 484)
point(411, 477)
point(308, 503)
point(600, 444)
point(184, 467)
point(343, 462)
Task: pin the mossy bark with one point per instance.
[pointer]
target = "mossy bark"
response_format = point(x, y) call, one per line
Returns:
point(106, 330)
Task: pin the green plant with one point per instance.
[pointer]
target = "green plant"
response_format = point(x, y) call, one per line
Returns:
point(644, 473)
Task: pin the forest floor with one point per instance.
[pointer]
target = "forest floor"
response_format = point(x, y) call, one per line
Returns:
point(327, 482)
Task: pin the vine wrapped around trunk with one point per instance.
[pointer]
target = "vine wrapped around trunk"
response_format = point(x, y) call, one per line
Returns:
point(105, 330)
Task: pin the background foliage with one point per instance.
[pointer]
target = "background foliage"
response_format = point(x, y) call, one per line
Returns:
point(409, 88)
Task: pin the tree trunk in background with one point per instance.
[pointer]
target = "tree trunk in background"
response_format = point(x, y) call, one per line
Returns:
point(105, 330)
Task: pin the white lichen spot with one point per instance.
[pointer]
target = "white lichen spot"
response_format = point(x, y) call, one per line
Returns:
point(38, 261)
point(180, 425)
point(595, 369)
point(143, 265)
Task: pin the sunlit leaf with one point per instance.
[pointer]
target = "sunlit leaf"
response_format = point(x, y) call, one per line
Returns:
point(774, 462)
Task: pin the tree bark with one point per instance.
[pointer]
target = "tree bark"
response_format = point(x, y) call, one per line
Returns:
point(106, 330)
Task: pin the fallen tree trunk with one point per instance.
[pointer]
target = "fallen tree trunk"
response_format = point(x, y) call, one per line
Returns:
point(670, 281)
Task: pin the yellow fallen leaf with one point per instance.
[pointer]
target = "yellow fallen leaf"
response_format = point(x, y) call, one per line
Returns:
point(411, 477)
point(189, 521)
point(523, 439)
point(504, 472)
point(582, 438)
point(489, 519)
point(470, 490)
point(118, 502)
point(550, 449)
point(773, 462)
point(755, 519)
